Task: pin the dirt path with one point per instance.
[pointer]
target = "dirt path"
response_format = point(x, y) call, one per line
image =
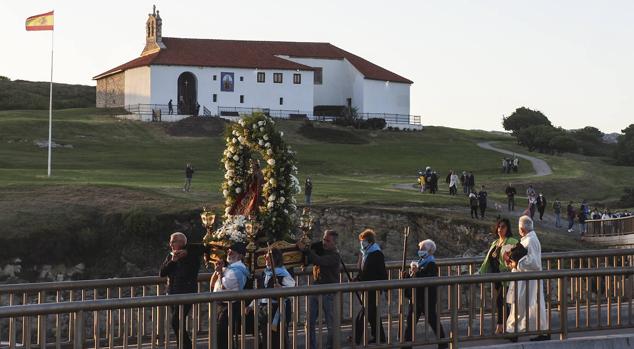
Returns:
point(541, 167)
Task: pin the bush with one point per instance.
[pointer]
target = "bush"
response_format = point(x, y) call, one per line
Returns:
point(373, 124)
point(563, 144)
point(624, 153)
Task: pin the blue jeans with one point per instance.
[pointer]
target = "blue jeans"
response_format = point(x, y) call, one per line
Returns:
point(557, 220)
point(308, 197)
point(328, 309)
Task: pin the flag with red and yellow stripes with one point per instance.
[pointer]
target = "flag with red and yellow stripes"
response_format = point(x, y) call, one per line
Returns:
point(40, 22)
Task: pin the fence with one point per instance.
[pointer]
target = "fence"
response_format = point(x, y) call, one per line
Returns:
point(610, 227)
point(575, 301)
point(472, 301)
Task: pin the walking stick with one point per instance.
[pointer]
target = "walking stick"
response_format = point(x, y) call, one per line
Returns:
point(400, 298)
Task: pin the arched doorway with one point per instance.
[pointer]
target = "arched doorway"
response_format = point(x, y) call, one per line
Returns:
point(187, 94)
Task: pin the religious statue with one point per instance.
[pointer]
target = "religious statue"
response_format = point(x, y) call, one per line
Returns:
point(248, 202)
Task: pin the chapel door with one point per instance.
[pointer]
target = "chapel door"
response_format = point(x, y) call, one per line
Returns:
point(187, 94)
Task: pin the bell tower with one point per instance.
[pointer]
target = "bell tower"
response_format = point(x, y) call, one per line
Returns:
point(153, 35)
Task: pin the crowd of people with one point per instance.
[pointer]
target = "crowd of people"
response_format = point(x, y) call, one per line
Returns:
point(510, 164)
point(428, 181)
point(507, 253)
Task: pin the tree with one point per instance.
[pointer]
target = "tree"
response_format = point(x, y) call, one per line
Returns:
point(4, 78)
point(524, 117)
point(563, 144)
point(625, 147)
point(538, 137)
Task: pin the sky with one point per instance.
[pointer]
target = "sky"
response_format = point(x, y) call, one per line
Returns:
point(472, 61)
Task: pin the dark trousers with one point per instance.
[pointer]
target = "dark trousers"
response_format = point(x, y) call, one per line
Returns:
point(474, 211)
point(500, 304)
point(511, 203)
point(432, 319)
point(482, 209)
point(531, 210)
point(187, 342)
point(541, 212)
point(371, 317)
point(223, 325)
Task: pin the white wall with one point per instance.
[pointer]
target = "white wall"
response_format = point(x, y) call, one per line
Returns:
point(256, 95)
point(338, 76)
point(382, 97)
point(137, 86)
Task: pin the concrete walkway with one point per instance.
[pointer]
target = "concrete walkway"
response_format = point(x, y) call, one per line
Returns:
point(541, 167)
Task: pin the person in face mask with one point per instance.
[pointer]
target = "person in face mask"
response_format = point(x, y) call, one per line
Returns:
point(372, 268)
point(233, 277)
point(424, 267)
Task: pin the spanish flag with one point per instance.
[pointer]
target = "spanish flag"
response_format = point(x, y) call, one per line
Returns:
point(40, 22)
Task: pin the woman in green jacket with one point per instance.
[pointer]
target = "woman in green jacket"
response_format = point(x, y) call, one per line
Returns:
point(494, 263)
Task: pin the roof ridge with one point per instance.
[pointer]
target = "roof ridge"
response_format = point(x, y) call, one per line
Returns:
point(252, 41)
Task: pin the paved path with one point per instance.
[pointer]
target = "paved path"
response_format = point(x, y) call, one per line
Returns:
point(541, 167)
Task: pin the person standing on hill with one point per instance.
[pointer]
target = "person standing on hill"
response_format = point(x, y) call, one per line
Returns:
point(510, 196)
point(308, 190)
point(471, 181)
point(189, 173)
point(557, 212)
point(532, 204)
point(463, 182)
point(541, 205)
point(482, 201)
point(584, 211)
point(170, 107)
point(433, 188)
point(453, 184)
point(473, 203)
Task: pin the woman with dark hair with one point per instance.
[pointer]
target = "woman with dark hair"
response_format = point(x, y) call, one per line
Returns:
point(494, 263)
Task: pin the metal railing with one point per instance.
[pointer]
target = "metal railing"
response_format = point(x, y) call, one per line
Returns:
point(610, 227)
point(119, 290)
point(575, 301)
point(390, 119)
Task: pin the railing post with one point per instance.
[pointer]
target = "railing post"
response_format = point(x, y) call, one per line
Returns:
point(453, 289)
point(79, 342)
point(337, 325)
point(563, 307)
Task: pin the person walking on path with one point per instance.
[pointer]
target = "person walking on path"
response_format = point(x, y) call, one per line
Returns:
point(570, 210)
point(473, 204)
point(541, 205)
point(371, 268)
point(510, 196)
point(453, 183)
point(308, 191)
point(482, 201)
point(189, 173)
point(557, 212)
point(494, 263)
point(170, 107)
point(532, 204)
point(426, 298)
point(584, 211)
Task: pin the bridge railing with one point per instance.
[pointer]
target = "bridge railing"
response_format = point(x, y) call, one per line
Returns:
point(610, 227)
point(119, 290)
point(577, 300)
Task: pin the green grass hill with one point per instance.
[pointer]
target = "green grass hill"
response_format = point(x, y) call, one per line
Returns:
point(20, 94)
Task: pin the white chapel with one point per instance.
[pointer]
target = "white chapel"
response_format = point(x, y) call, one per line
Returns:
point(221, 76)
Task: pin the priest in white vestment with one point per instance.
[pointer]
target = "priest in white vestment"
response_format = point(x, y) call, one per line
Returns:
point(536, 304)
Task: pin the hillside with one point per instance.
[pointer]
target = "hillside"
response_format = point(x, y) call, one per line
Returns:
point(117, 184)
point(20, 94)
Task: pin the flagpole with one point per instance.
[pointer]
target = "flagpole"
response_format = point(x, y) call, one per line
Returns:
point(50, 108)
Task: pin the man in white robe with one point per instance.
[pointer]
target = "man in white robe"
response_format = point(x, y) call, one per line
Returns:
point(536, 304)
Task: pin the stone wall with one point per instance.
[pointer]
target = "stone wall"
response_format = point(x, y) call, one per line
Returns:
point(111, 91)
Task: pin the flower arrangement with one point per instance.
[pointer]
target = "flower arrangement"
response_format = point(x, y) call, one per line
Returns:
point(277, 205)
point(233, 229)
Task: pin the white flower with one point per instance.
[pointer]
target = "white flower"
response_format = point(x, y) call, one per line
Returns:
point(271, 161)
point(238, 190)
point(230, 173)
point(272, 181)
point(281, 200)
point(272, 197)
point(241, 122)
point(227, 166)
point(281, 134)
point(230, 183)
point(269, 152)
point(270, 205)
point(266, 137)
point(235, 133)
point(261, 122)
point(255, 126)
point(227, 140)
point(235, 140)
point(236, 158)
point(267, 145)
point(261, 143)
point(261, 129)
point(227, 210)
point(241, 139)
point(225, 193)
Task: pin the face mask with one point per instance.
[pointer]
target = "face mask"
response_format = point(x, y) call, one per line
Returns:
point(364, 245)
point(422, 253)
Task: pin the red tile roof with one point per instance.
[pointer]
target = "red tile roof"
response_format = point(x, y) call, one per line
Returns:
point(252, 54)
